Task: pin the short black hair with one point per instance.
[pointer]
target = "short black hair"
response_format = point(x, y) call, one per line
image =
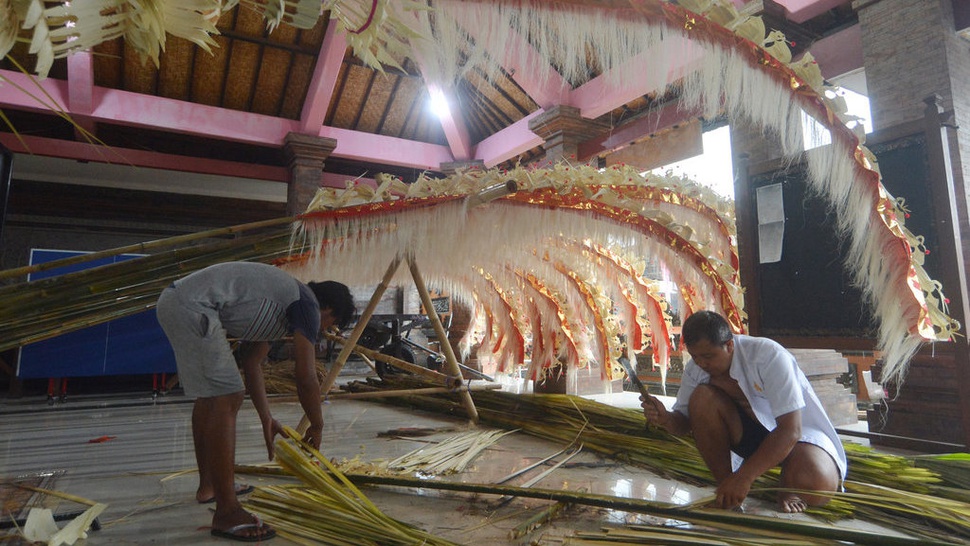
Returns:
point(336, 297)
point(706, 325)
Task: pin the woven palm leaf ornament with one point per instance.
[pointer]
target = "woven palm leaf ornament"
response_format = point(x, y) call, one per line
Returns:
point(553, 267)
point(729, 64)
point(724, 62)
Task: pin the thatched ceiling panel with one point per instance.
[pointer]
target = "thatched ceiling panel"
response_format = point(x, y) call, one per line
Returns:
point(108, 63)
point(242, 74)
point(249, 22)
point(335, 97)
point(141, 75)
point(377, 103)
point(481, 102)
point(274, 68)
point(295, 91)
point(401, 106)
point(520, 103)
point(175, 69)
point(352, 97)
point(209, 73)
point(313, 37)
point(284, 34)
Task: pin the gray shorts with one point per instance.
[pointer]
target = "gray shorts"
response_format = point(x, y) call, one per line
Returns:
point(205, 363)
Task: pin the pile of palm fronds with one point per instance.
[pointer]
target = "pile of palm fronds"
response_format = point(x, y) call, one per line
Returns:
point(885, 489)
point(42, 309)
point(328, 508)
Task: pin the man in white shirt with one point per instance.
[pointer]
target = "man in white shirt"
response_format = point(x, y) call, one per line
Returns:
point(750, 408)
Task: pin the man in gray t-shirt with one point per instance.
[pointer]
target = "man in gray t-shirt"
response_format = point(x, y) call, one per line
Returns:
point(256, 303)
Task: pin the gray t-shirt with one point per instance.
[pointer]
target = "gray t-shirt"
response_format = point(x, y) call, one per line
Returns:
point(254, 302)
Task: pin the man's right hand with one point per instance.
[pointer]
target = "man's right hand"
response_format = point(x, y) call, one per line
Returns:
point(654, 410)
point(313, 435)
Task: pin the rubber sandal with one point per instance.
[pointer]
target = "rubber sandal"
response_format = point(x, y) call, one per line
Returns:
point(232, 533)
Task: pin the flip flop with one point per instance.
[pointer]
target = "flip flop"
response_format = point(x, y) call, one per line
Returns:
point(241, 489)
point(266, 532)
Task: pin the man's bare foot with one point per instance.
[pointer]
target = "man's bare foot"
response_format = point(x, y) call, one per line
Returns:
point(791, 504)
point(207, 497)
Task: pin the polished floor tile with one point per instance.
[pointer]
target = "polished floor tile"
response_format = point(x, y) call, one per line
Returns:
point(135, 454)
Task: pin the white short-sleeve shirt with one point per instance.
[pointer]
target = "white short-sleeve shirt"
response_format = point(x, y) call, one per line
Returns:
point(774, 385)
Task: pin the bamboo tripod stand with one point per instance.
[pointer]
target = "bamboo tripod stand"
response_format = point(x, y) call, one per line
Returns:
point(453, 379)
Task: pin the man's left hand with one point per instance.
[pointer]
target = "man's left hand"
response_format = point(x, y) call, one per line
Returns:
point(270, 430)
point(732, 491)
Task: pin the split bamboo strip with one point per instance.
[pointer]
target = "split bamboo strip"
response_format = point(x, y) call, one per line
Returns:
point(449, 456)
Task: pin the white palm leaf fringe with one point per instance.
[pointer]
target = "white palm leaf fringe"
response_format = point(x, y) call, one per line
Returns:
point(578, 236)
point(749, 81)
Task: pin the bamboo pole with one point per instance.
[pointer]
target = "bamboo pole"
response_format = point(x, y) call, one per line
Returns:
point(450, 361)
point(393, 393)
point(42, 309)
point(438, 377)
point(144, 247)
point(659, 509)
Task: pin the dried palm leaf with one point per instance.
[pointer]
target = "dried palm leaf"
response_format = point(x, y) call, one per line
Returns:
point(450, 456)
point(620, 433)
point(329, 509)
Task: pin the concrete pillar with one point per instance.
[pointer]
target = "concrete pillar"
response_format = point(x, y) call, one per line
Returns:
point(918, 70)
point(305, 156)
point(563, 128)
point(911, 50)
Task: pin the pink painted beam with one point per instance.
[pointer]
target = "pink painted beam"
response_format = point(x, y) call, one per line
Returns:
point(637, 77)
point(839, 53)
point(82, 151)
point(800, 11)
point(134, 109)
point(667, 116)
point(509, 142)
point(387, 150)
point(451, 123)
point(20, 91)
point(324, 79)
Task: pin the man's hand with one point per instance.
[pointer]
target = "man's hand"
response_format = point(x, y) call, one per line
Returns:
point(732, 491)
point(271, 428)
point(653, 410)
point(313, 435)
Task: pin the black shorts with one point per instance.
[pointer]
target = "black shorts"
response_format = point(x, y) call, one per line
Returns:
point(752, 434)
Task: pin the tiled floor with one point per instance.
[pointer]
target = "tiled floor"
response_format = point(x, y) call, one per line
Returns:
point(137, 471)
